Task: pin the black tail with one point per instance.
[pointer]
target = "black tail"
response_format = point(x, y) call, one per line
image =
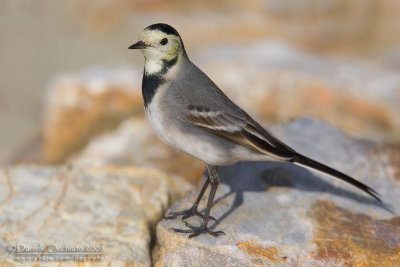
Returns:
point(303, 160)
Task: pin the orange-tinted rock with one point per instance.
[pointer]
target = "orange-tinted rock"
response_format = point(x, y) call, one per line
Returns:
point(352, 239)
point(80, 106)
point(359, 116)
point(254, 249)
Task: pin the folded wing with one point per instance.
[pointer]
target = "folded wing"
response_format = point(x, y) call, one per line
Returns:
point(239, 129)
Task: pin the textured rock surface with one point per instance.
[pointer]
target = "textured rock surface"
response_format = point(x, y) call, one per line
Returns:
point(283, 215)
point(115, 208)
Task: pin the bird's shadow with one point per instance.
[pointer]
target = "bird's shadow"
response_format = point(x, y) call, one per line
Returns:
point(261, 176)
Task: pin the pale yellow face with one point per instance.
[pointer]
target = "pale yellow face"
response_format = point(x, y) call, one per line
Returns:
point(161, 45)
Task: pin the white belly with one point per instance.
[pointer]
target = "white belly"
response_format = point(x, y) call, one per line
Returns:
point(159, 125)
point(191, 144)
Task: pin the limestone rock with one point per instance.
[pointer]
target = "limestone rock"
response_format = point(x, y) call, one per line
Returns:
point(280, 214)
point(109, 207)
point(79, 106)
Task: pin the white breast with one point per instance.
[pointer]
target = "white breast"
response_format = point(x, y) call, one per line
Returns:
point(158, 121)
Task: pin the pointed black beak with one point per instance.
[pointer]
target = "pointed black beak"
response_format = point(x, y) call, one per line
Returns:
point(138, 45)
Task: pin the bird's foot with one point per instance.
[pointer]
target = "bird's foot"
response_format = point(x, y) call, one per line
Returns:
point(197, 230)
point(186, 214)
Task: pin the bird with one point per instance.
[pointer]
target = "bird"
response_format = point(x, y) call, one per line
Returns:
point(189, 112)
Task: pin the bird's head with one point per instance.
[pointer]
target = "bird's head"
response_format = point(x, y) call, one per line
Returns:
point(160, 42)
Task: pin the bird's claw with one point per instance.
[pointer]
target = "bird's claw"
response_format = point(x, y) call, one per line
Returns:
point(197, 230)
point(187, 214)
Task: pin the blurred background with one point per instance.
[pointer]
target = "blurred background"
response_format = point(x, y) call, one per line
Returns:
point(70, 88)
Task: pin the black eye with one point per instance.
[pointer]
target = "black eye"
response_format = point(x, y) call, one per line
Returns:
point(164, 41)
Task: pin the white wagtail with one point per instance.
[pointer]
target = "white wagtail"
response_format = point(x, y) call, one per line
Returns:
point(189, 112)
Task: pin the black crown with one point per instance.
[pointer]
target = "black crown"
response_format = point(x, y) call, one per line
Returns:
point(165, 28)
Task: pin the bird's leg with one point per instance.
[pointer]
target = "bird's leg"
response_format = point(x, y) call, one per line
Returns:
point(193, 210)
point(203, 228)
